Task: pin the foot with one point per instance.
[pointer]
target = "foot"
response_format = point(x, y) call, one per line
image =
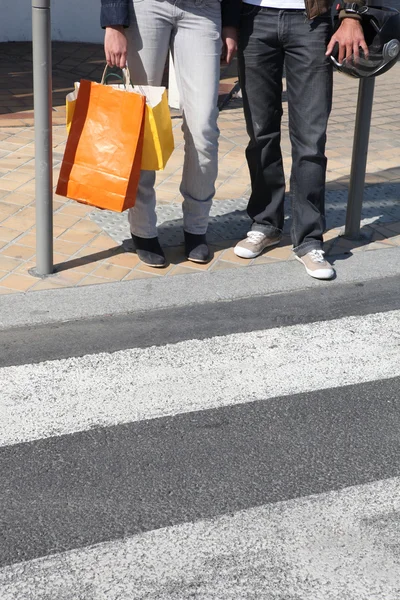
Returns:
point(316, 265)
point(196, 248)
point(149, 251)
point(255, 243)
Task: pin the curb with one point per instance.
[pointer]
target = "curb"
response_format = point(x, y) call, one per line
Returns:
point(74, 304)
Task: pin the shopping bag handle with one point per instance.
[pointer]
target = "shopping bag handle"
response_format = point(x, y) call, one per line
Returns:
point(125, 78)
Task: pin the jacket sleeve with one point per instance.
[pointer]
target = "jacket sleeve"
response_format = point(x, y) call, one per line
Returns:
point(231, 13)
point(114, 12)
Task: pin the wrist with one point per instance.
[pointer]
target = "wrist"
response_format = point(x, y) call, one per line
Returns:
point(229, 30)
point(351, 21)
point(119, 28)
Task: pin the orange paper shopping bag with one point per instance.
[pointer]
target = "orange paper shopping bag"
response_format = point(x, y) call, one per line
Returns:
point(102, 159)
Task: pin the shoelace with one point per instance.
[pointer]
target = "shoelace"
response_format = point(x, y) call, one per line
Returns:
point(317, 256)
point(254, 237)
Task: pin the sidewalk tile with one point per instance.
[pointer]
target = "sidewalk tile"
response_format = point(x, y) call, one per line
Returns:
point(230, 256)
point(8, 264)
point(137, 274)
point(126, 259)
point(377, 246)
point(19, 283)
point(29, 239)
point(264, 259)
point(179, 270)
point(21, 221)
point(332, 234)
point(393, 226)
point(18, 199)
point(389, 241)
point(78, 237)
point(279, 252)
point(110, 271)
point(76, 209)
point(16, 177)
point(46, 284)
point(7, 235)
point(18, 251)
point(222, 265)
point(92, 280)
point(146, 269)
point(96, 254)
point(395, 240)
point(178, 258)
point(65, 221)
point(66, 247)
point(166, 197)
point(9, 185)
point(378, 234)
point(25, 267)
point(6, 210)
point(68, 278)
point(84, 225)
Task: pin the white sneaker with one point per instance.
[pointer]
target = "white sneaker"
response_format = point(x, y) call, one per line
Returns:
point(254, 244)
point(316, 265)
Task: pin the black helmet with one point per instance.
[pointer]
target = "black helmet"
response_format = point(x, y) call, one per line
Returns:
point(381, 27)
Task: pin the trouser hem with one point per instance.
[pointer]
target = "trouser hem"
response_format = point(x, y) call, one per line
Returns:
point(307, 247)
point(269, 230)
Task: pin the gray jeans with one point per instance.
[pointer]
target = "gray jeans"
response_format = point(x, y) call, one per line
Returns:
point(191, 29)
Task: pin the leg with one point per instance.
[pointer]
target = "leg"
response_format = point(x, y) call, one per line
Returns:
point(309, 88)
point(197, 50)
point(260, 73)
point(148, 41)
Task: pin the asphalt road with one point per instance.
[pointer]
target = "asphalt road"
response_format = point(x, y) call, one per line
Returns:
point(242, 449)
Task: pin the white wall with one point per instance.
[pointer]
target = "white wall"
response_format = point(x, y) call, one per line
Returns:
point(72, 21)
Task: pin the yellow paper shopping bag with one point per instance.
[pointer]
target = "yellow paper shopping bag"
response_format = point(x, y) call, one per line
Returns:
point(158, 142)
point(70, 105)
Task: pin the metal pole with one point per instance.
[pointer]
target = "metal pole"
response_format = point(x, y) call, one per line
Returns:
point(42, 93)
point(359, 158)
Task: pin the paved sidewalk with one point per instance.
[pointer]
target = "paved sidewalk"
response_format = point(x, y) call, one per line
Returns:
point(92, 247)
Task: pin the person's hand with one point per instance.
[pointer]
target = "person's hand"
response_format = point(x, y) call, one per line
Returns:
point(229, 40)
point(115, 46)
point(350, 38)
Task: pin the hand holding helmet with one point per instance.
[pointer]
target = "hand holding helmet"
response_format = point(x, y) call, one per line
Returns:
point(380, 44)
point(349, 37)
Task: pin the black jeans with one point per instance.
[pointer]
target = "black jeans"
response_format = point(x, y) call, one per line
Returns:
point(270, 38)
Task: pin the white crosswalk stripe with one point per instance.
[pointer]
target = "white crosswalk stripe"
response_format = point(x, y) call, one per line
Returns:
point(60, 397)
point(316, 547)
point(341, 542)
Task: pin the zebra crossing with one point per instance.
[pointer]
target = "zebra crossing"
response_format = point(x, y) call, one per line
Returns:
point(251, 461)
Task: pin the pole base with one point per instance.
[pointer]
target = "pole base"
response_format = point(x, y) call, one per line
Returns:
point(33, 272)
point(359, 236)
